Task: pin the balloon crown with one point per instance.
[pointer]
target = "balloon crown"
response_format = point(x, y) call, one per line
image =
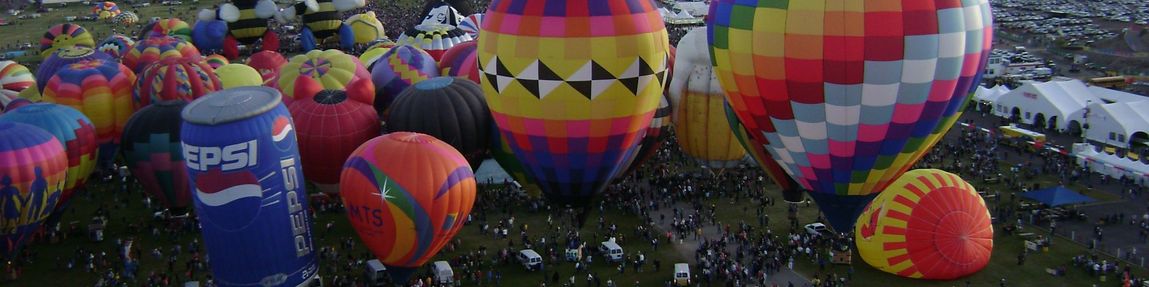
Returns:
point(410, 137)
point(330, 97)
point(434, 83)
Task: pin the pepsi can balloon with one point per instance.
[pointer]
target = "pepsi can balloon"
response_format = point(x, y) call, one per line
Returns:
point(243, 164)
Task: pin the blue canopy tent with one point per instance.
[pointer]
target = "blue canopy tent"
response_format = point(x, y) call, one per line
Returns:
point(1057, 196)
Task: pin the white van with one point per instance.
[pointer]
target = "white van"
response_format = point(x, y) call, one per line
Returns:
point(443, 273)
point(681, 274)
point(375, 273)
point(530, 259)
point(611, 250)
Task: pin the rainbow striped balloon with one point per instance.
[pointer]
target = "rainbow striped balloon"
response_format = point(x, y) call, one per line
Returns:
point(461, 61)
point(848, 94)
point(14, 78)
point(76, 134)
point(32, 173)
point(171, 27)
point(102, 90)
point(572, 85)
point(116, 45)
point(403, 214)
point(928, 224)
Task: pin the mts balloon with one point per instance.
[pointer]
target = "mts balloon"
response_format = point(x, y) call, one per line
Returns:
point(243, 163)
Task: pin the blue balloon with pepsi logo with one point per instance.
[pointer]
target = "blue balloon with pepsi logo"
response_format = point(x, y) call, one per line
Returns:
point(243, 166)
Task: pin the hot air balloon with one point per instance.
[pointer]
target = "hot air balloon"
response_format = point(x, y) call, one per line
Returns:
point(447, 108)
point(243, 165)
point(17, 103)
point(216, 60)
point(503, 155)
point(102, 90)
point(116, 45)
point(471, 24)
point(126, 18)
point(653, 138)
point(927, 224)
point(332, 69)
point(267, 63)
point(64, 35)
point(105, 10)
point(238, 75)
point(461, 61)
point(399, 68)
point(699, 119)
point(151, 147)
point(154, 49)
point(331, 125)
point(174, 79)
point(405, 215)
point(320, 19)
point(62, 58)
point(790, 191)
point(208, 35)
point(14, 78)
point(246, 23)
point(846, 102)
point(433, 38)
point(374, 52)
point(77, 137)
point(31, 180)
point(170, 27)
point(366, 27)
point(572, 101)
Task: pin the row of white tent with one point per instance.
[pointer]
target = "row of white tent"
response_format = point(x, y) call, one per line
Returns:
point(1114, 118)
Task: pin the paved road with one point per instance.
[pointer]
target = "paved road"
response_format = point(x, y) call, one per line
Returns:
point(687, 247)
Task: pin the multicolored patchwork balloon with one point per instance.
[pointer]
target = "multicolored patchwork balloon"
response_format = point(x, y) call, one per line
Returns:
point(399, 68)
point(64, 35)
point(462, 60)
point(848, 94)
point(32, 174)
point(126, 18)
point(77, 137)
point(151, 147)
point(572, 85)
point(105, 9)
point(331, 124)
point(174, 79)
point(102, 90)
point(332, 69)
point(116, 45)
point(405, 215)
point(653, 138)
point(14, 78)
point(928, 224)
point(157, 48)
point(790, 191)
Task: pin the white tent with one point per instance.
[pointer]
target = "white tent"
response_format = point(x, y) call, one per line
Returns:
point(990, 95)
point(694, 8)
point(1111, 165)
point(1115, 96)
point(1115, 124)
point(1052, 103)
point(665, 13)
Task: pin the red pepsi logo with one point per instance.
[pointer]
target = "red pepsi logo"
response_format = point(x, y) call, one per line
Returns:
point(283, 133)
point(229, 200)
